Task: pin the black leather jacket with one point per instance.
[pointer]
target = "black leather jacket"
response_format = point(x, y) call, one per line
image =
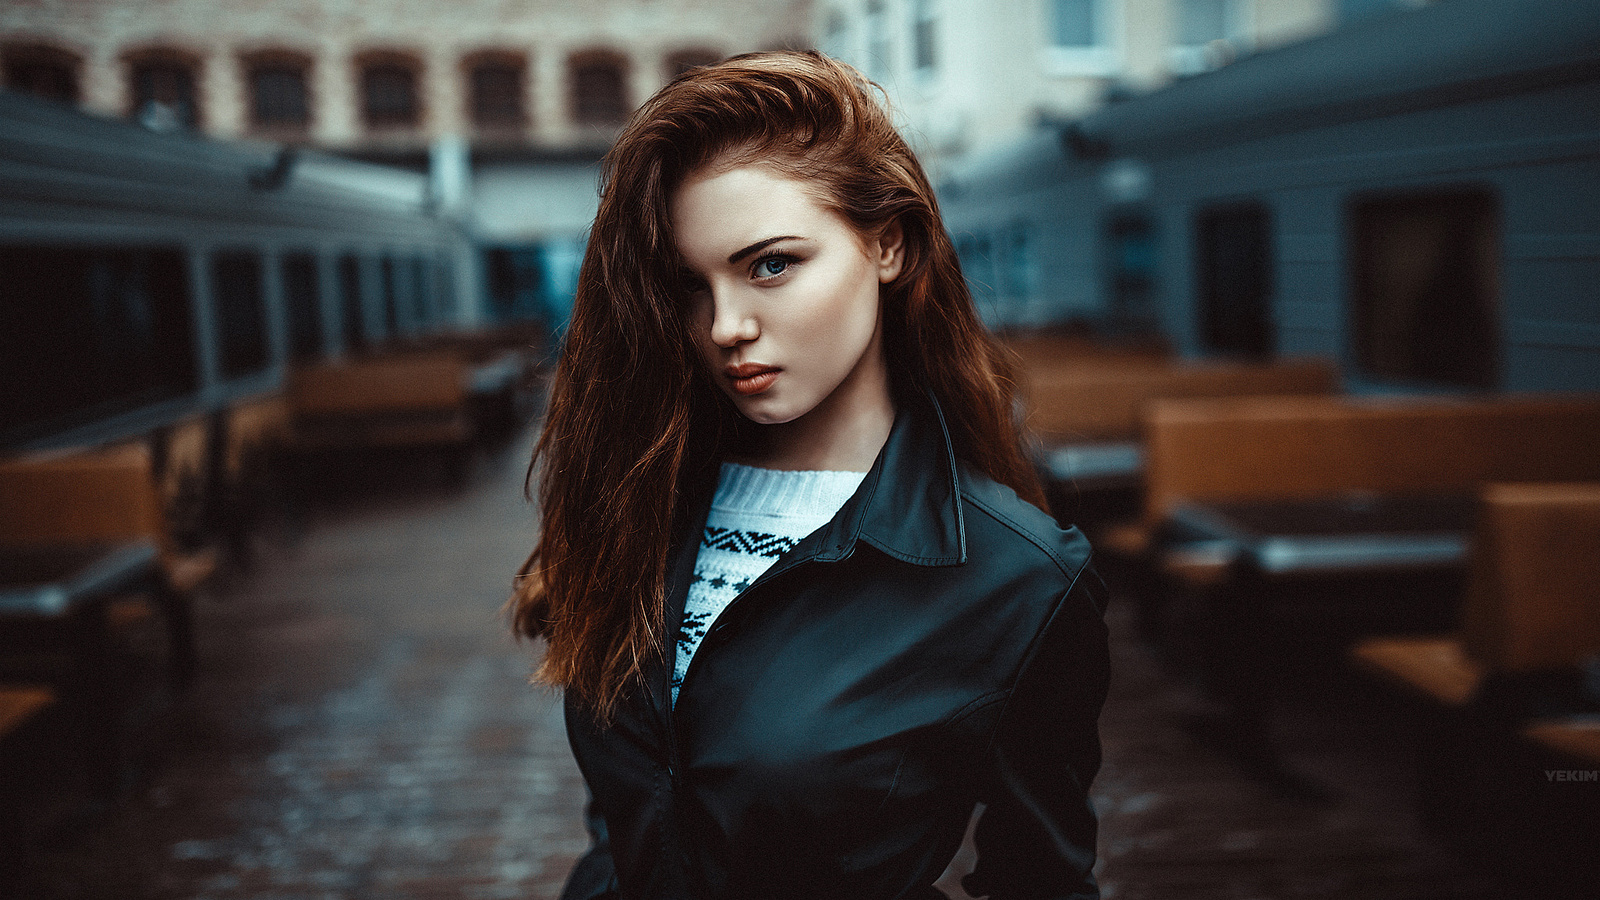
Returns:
point(938, 644)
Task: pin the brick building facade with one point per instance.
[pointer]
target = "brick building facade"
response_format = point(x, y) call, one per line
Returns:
point(379, 75)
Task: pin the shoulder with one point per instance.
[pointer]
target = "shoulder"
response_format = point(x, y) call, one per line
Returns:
point(1000, 524)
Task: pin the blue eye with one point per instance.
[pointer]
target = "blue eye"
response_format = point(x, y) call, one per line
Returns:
point(771, 266)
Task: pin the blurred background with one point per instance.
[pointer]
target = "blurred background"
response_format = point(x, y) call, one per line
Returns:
point(1306, 300)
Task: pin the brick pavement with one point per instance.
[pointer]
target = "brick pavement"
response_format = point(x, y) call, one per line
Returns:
point(362, 728)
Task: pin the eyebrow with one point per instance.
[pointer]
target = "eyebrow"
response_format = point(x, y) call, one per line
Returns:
point(733, 259)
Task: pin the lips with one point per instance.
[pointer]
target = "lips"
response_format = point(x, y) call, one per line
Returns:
point(751, 378)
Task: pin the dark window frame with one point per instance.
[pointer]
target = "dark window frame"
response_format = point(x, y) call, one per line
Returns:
point(239, 297)
point(497, 90)
point(390, 85)
point(301, 271)
point(279, 114)
point(21, 66)
point(176, 73)
point(594, 101)
point(352, 305)
point(89, 331)
point(1449, 331)
point(1235, 278)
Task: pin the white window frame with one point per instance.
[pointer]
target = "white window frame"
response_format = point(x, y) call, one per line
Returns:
point(924, 12)
point(1101, 60)
point(1192, 59)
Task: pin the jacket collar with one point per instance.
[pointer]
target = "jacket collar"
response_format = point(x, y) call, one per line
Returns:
point(909, 504)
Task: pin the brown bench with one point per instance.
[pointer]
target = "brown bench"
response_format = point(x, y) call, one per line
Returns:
point(409, 399)
point(1046, 352)
point(1225, 600)
point(1487, 701)
point(1265, 448)
point(20, 703)
point(1088, 419)
point(101, 509)
point(1104, 402)
point(1531, 604)
point(99, 496)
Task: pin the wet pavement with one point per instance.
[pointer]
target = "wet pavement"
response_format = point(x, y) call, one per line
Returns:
point(362, 727)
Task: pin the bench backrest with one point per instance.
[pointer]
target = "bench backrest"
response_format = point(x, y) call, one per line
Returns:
point(1258, 448)
point(414, 381)
point(1534, 596)
point(1039, 353)
point(1104, 402)
point(255, 426)
point(88, 496)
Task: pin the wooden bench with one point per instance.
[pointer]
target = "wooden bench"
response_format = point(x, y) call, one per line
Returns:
point(101, 496)
point(1212, 601)
point(1532, 603)
point(1087, 417)
point(1487, 699)
point(410, 399)
point(68, 504)
point(1104, 402)
point(1264, 448)
point(20, 703)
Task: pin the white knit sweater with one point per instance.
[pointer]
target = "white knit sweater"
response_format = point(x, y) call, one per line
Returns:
point(756, 516)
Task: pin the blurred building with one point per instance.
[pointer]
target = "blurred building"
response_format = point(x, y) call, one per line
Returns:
point(507, 107)
point(967, 76)
point(1411, 195)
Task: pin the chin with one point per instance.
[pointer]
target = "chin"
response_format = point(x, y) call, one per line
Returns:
point(765, 413)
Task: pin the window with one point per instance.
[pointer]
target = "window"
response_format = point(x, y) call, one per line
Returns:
point(391, 304)
point(164, 91)
point(515, 282)
point(599, 93)
point(43, 72)
point(90, 331)
point(422, 312)
point(279, 100)
point(1426, 282)
point(684, 60)
point(350, 303)
point(1233, 276)
point(389, 92)
point(444, 294)
point(302, 296)
point(497, 90)
point(1129, 244)
point(1080, 37)
point(1073, 23)
point(878, 54)
point(1015, 266)
point(978, 266)
point(924, 36)
point(1206, 32)
point(236, 291)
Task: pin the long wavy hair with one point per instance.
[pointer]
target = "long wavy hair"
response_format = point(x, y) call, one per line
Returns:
point(634, 419)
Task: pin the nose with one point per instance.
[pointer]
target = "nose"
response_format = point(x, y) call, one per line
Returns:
point(733, 322)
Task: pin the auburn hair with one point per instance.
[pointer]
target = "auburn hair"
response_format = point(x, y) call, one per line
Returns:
point(634, 419)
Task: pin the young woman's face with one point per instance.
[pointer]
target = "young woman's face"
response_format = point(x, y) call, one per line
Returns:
point(785, 294)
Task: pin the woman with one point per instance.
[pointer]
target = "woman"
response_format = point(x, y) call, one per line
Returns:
point(792, 574)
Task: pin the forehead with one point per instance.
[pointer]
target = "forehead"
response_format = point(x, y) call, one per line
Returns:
point(718, 210)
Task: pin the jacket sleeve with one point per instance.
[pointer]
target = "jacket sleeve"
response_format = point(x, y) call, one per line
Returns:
point(1036, 837)
point(594, 877)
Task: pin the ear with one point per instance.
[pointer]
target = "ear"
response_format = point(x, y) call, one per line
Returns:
point(889, 252)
